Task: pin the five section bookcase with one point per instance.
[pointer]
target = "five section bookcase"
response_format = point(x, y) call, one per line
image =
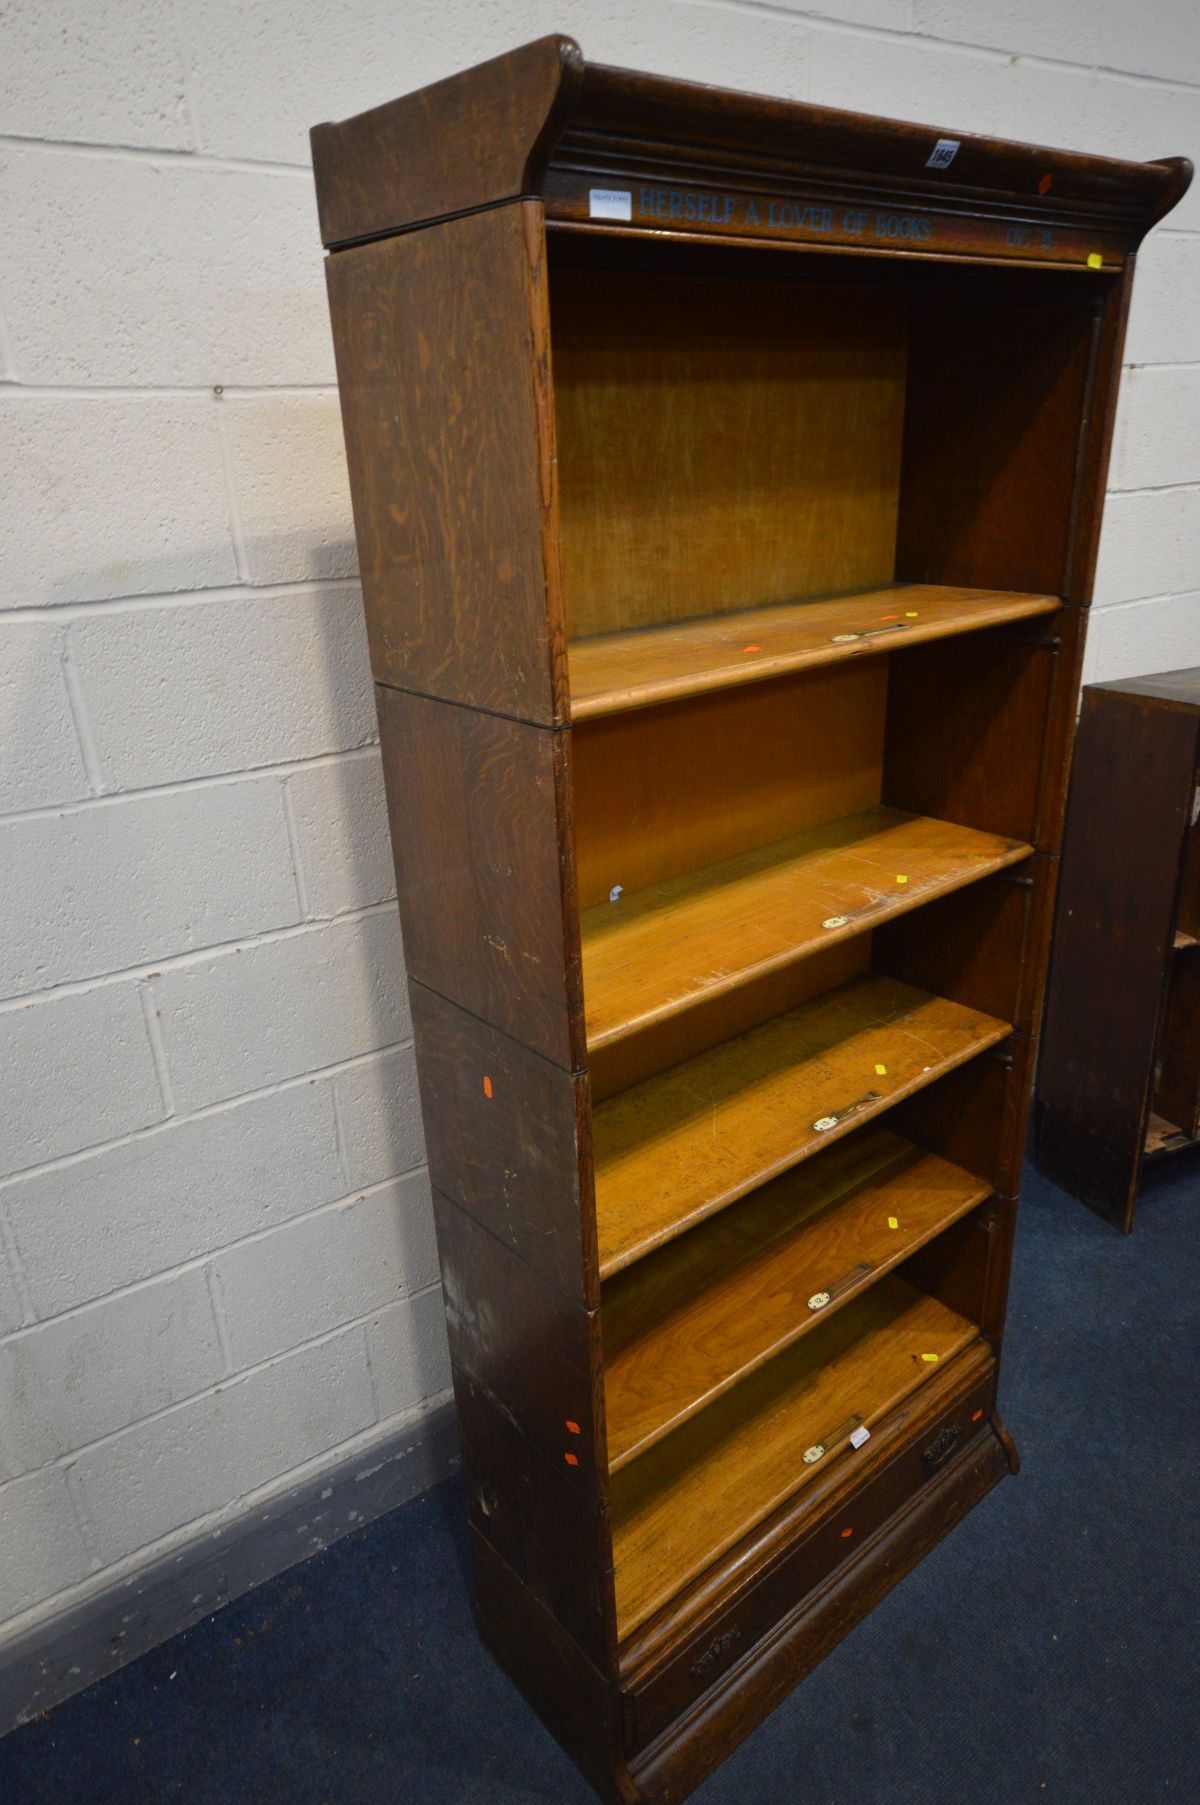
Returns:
point(727, 477)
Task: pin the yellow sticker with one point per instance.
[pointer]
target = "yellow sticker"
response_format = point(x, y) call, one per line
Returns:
point(882, 1070)
point(1095, 260)
point(893, 1221)
point(911, 613)
point(902, 877)
point(931, 1357)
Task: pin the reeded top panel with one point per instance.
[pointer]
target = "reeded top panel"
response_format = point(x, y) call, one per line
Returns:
point(614, 150)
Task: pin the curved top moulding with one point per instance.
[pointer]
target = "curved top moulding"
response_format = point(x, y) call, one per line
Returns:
point(613, 150)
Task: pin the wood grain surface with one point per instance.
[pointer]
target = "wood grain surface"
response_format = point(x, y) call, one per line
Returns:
point(662, 398)
point(481, 832)
point(684, 1325)
point(687, 1500)
point(681, 1146)
point(442, 342)
point(669, 790)
point(649, 954)
point(624, 670)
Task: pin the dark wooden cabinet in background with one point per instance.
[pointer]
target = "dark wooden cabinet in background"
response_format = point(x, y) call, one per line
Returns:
point(1119, 1082)
point(727, 478)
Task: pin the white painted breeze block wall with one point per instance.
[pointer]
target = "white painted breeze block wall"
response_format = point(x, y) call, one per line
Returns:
point(217, 1269)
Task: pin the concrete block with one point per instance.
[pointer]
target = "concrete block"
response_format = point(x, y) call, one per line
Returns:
point(380, 1112)
point(66, 1383)
point(410, 1357)
point(288, 462)
point(759, 51)
point(11, 1315)
point(122, 883)
point(127, 271)
point(184, 1189)
point(40, 760)
point(1149, 544)
point(1067, 33)
point(74, 1071)
point(340, 815)
point(1143, 120)
point(1160, 635)
point(1157, 37)
point(1158, 435)
point(109, 496)
point(290, 70)
point(265, 1012)
point(311, 1276)
point(943, 85)
point(41, 1550)
point(210, 1452)
point(1164, 318)
point(106, 74)
point(196, 690)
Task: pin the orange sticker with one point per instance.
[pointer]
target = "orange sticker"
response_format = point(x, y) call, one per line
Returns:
point(487, 1085)
point(752, 648)
point(889, 617)
point(846, 1532)
point(573, 1427)
point(572, 1460)
point(977, 1416)
point(1044, 188)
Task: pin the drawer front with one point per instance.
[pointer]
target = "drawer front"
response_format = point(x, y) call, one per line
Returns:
point(728, 1636)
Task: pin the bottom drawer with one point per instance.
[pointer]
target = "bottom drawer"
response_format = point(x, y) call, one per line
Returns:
point(680, 1667)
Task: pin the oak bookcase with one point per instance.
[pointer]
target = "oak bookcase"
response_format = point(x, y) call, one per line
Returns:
point(1119, 1080)
point(727, 476)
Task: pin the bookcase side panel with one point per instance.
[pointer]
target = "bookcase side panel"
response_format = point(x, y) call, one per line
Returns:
point(443, 359)
point(1105, 991)
point(507, 1134)
point(998, 384)
point(480, 828)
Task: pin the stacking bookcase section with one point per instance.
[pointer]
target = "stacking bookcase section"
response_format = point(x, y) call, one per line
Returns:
point(694, 936)
point(617, 671)
point(684, 1326)
point(1119, 1084)
point(727, 478)
point(716, 1478)
point(678, 1147)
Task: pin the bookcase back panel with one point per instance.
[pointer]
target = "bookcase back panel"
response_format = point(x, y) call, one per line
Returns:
point(669, 388)
point(661, 791)
point(970, 946)
point(967, 721)
point(625, 1062)
point(997, 392)
point(974, 1116)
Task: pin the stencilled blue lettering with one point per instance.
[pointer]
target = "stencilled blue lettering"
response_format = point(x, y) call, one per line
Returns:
point(797, 218)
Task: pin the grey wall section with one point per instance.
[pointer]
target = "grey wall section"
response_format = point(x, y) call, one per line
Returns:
point(62, 1655)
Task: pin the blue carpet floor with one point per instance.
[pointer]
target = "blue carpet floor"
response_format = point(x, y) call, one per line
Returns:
point(1046, 1651)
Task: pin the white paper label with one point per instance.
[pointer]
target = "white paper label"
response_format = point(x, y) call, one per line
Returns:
point(614, 203)
point(943, 153)
point(859, 1436)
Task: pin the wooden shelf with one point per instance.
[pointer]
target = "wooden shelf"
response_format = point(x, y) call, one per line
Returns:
point(613, 672)
point(651, 954)
point(703, 1488)
point(685, 1325)
point(681, 1146)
